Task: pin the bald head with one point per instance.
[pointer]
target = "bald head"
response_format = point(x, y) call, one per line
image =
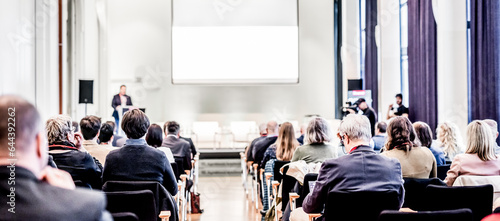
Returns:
point(493, 125)
point(272, 127)
point(21, 118)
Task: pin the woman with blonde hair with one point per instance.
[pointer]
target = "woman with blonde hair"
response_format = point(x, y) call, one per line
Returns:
point(402, 144)
point(284, 147)
point(479, 158)
point(450, 140)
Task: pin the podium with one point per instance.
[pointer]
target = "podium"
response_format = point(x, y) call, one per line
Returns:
point(121, 110)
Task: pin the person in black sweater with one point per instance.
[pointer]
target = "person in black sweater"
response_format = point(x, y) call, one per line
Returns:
point(261, 146)
point(136, 161)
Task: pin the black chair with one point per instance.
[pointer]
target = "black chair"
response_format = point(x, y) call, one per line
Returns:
point(181, 165)
point(443, 215)
point(175, 168)
point(477, 198)
point(363, 205)
point(124, 216)
point(310, 177)
point(442, 170)
point(163, 200)
point(415, 197)
point(141, 203)
point(79, 183)
point(87, 178)
point(287, 185)
point(276, 170)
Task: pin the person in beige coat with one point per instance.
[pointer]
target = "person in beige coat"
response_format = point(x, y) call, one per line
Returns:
point(402, 144)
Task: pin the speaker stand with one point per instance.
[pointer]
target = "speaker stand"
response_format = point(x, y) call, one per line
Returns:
point(85, 109)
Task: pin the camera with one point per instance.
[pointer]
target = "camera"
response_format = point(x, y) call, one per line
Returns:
point(348, 106)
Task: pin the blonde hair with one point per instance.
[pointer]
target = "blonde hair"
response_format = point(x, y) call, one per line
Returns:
point(286, 142)
point(480, 141)
point(58, 127)
point(450, 139)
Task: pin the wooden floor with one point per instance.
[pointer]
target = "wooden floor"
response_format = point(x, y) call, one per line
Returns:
point(223, 198)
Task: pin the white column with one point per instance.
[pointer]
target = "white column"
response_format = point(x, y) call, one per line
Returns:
point(452, 62)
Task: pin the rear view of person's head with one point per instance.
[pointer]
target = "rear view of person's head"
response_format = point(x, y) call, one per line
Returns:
point(449, 137)
point(356, 128)
point(493, 126)
point(112, 123)
point(381, 127)
point(400, 134)
point(272, 127)
point(263, 129)
point(318, 131)
point(286, 142)
point(154, 137)
point(135, 124)
point(21, 126)
point(90, 126)
point(106, 133)
point(480, 140)
point(59, 129)
point(424, 133)
point(172, 128)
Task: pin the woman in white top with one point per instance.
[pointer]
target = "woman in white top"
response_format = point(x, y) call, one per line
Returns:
point(154, 138)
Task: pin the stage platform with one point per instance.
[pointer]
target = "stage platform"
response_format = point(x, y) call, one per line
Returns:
point(220, 162)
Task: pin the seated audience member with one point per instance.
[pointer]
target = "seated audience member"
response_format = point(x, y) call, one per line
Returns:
point(191, 145)
point(90, 127)
point(424, 135)
point(479, 158)
point(362, 169)
point(64, 147)
point(380, 136)
point(367, 111)
point(449, 140)
point(316, 150)
point(105, 136)
point(302, 132)
point(154, 138)
point(38, 191)
point(249, 149)
point(400, 111)
point(136, 161)
point(118, 141)
point(179, 147)
point(494, 129)
point(261, 146)
point(284, 147)
point(416, 162)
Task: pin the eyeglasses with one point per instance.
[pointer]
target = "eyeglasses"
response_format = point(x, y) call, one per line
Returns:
point(341, 135)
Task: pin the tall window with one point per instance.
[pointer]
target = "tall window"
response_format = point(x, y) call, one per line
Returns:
point(467, 8)
point(403, 39)
point(362, 38)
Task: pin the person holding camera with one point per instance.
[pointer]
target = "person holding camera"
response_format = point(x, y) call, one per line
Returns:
point(367, 111)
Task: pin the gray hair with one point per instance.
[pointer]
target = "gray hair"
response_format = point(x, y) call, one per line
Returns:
point(262, 128)
point(356, 127)
point(318, 131)
point(58, 127)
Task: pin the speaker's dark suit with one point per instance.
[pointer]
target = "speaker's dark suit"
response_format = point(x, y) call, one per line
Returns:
point(117, 101)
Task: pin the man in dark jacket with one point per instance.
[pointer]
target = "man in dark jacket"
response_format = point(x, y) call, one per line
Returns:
point(29, 189)
point(136, 161)
point(179, 147)
point(120, 100)
point(261, 146)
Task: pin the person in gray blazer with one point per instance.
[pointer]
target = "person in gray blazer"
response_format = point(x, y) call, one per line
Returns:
point(179, 147)
point(29, 189)
point(360, 170)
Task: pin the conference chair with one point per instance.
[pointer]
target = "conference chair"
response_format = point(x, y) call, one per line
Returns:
point(415, 195)
point(442, 170)
point(256, 185)
point(296, 199)
point(287, 185)
point(124, 216)
point(477, 198)
point(141, 203)
point(469, 180)
point(443, 215)
point(164, 215)
point(363, 205)
point(175, 168)
point(275, 185)
point(244, 172)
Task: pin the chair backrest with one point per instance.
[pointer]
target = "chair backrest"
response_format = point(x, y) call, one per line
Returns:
point(140, 202)
point(276, 170)
point(180, 165)
point(477, 198)
point(443, 215)
point(124, 216)
point(175, 168)
point(415, 197)
point(469, 180)
point(363, 205)
point(442, 170)
point(287, 185)
point(310, 177)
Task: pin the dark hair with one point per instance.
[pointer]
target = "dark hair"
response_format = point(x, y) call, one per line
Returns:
point(90, 126)
point(76, 128)
point(27, 123)
point(400, 96)
point(135, 123)
point(400, 134)
point(154, 137)
point(122, 86)
point(381, 126)
point(105, 133)
point(171, 127)
point(112, 124)
point(424, 133)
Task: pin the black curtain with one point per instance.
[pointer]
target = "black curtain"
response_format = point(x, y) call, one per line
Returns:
point(422, 62)
point(371, 67)
point(485, 60)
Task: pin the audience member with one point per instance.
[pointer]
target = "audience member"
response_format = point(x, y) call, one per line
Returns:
point(106, 137)
point(90, 126)
point(449, 140)
point(380, 136)
point(284, 147)
point(118, 141)
point(261, 146)
point(416, 162)
point(494, 129)
point(154, 138)
point(179, 147)
point(64, 147)
point(302, 132)
point(249, 149)
point(136, 161)
point(424, 135)
point(368, 112)
point(76, 127)
point(191, 145)
point(361, 169)
point(479, 158)
point(38, 191)
point(401, 109)
point(316, 149)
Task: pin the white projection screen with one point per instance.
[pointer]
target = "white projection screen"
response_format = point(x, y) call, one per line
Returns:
point(235, 41)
